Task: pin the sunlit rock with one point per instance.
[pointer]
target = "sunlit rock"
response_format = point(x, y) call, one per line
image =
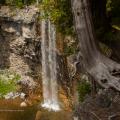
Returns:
point(27, 31)
point(12, 95)
point(23, 104)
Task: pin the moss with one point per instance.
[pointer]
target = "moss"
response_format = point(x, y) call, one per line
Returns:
point(59, 12)
point(69, 50)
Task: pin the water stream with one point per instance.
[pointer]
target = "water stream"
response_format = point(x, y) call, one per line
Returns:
point(49, 71)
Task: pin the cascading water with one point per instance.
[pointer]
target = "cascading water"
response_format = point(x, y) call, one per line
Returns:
point(49, 71)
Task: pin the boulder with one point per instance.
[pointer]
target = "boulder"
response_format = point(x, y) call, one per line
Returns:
point(23, 104)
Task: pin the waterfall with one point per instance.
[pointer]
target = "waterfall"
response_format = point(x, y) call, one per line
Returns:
point(49, 71)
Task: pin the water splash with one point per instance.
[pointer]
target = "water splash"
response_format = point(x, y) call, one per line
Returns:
point(49, 71)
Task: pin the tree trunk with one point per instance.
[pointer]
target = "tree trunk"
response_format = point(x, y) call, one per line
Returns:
point(102, 69)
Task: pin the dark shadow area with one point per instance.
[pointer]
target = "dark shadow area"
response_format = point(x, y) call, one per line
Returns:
point(31, 54)
point(4, 50)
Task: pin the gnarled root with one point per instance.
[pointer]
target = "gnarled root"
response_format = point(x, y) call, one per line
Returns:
point(107, 73)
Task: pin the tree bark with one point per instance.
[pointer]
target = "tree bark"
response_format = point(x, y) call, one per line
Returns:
point(101, 68)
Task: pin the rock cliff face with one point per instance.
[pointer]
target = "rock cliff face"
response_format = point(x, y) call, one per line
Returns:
point(20, 51)
point(104, 106)
point(20, 47)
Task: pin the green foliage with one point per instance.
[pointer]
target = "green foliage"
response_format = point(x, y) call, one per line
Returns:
point(18, 3)
point(109, 36)
point(84, 88)
point(69, 50)
point(108, 5)
point(59, 12)
point(50, 11)
point(113, 8)
point(8, 82)
point(65, 22)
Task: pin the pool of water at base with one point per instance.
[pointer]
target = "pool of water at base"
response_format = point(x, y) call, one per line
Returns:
point(13, 112)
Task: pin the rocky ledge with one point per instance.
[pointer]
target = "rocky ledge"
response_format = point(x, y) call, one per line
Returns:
point(25, 15)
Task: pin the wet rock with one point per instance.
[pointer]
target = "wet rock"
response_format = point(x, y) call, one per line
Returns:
point(16, 95)
point(11, 95)
point(75, 118)
point(27, 83)
point(38, 115)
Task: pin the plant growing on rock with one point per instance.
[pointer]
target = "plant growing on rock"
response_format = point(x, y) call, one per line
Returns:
point(59, 12)
point(84, 88)
point(18, 3)
point(8, 81)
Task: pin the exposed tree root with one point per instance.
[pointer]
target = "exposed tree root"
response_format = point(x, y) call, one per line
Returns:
point(96, 116)
point(106, 73)
point(113, 116)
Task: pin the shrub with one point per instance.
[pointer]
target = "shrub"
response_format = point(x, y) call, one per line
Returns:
point(84, 88)
point(18, 3)
point(69, 50)
point(8, 82)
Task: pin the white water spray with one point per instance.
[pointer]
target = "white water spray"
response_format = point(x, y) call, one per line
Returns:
point(49, 71)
